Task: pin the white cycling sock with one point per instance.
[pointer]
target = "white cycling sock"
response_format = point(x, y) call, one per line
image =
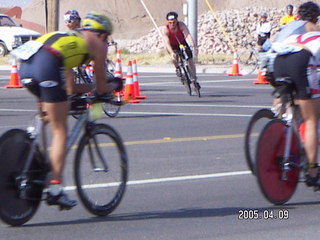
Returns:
point(55, 189)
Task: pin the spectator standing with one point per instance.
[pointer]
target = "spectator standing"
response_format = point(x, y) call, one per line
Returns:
point(263, 30)
point(285, 20)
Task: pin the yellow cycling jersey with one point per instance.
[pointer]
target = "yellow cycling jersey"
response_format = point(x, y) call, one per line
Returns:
point(286, 20)
point(71, 46)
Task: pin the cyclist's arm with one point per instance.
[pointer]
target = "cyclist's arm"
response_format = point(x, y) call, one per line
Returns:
point(188, 37)
point(98, 53)
point(165, 36)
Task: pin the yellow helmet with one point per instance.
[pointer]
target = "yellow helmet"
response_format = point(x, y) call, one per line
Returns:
point(97, 22)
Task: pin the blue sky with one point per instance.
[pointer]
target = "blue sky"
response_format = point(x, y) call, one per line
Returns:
point(20, 3)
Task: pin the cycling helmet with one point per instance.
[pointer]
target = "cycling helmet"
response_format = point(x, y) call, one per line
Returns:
point(289, 6)
point(71, 15)
point(97, 22)
point(309, 11)
point(172, 16)
point(264, 15)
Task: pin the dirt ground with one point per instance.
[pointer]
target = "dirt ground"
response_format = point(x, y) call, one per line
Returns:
point(131, 20)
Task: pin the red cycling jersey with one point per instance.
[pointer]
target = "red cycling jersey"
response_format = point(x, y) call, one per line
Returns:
point(176, 38)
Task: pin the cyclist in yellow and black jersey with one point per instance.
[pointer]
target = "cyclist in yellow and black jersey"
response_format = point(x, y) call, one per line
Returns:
point(48, 61)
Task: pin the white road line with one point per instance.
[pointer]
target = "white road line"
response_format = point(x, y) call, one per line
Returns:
point(202, 105)
point(187, 114)
point(168, 179)
point(17, 110)
point(203, 81)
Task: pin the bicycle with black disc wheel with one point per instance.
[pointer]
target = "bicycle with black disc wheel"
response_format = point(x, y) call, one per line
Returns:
point(22, 177)
point(100, 164)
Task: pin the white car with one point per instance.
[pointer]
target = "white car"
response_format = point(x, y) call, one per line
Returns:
point(13, 35)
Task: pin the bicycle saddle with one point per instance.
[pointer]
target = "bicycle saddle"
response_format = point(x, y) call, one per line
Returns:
point(283, 85)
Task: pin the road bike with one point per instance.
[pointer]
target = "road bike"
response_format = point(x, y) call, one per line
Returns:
point(85, 74)
point(110, 65)
point(259, 119)
point(100, 161)
point(257, 123)
point(186, 79)
point(280, 158)
point(248, 60)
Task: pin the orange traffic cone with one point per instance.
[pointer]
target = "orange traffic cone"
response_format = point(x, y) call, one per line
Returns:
point(136, 87)
point(118, 70)
point(261, 78)
point(128, 91)
point(14, 76)
point(235, 65)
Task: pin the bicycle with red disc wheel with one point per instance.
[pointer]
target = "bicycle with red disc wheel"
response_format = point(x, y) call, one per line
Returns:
point(280, 157)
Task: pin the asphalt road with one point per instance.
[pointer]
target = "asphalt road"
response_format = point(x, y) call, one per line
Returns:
point(188, 177)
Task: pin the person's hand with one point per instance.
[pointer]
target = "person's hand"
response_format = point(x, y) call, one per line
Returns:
point(195, 51)
point(173, 56)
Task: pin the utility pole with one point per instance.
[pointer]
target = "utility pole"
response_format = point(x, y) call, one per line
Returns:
point(52, 15)
point(193, 19)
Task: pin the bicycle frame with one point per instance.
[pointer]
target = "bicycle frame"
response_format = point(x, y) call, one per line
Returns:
point(38, 135)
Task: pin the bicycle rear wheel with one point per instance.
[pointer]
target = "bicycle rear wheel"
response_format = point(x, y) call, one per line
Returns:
point(19, 195)
point(101, 169)
point(270, 169)
point(248, 62)
point(255, 126)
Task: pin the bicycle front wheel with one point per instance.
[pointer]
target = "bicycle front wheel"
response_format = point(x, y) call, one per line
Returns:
point(248, 62)
point(19, 195)
point(186, 79)
point(101, 169)
point(255, 126)
point(277, 181)
point(109, 109)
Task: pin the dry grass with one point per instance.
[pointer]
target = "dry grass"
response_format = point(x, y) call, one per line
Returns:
point(5, 60)
point(163, 58)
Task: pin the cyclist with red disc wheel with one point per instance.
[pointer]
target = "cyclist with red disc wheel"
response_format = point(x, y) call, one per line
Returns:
point(297, 58)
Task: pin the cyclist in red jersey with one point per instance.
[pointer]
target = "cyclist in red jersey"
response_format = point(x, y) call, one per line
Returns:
point(175, 33)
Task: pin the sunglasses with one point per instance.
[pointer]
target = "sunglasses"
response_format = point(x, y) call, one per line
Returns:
point(172, 22)
point(70, 21)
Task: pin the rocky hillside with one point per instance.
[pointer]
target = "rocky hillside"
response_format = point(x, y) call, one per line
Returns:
point(135, 31)
point(239, 26)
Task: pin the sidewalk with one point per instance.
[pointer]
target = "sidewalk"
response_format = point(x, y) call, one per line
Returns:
point(163, 68)
point(167, 68)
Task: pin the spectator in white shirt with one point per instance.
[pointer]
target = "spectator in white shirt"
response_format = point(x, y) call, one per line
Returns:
point(263, 30)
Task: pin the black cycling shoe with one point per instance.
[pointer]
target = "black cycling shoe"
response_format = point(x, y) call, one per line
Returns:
point(61, 200)
point(178, 72)
point(312, 181)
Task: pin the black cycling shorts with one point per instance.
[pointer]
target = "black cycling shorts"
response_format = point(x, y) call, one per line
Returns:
point(48, 73)
point(176, 49)
point(295, 66)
